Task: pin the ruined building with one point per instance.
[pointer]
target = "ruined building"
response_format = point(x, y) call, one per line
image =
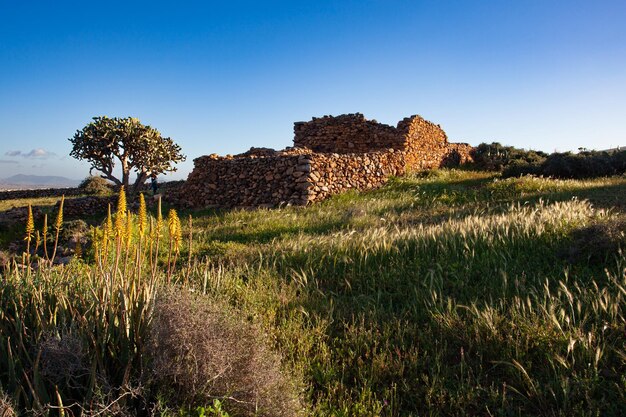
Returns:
point(330, 155)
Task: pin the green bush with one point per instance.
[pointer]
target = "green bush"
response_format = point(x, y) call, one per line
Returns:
point(589, 164)
point(93, 185)
point(514, 162)
point(497, 157)
point(584, 164)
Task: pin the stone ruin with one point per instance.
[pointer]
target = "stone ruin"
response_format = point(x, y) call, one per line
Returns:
point(330, 155)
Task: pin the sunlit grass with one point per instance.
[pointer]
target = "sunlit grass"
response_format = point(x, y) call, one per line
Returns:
point(47, 202)
point(448, 293)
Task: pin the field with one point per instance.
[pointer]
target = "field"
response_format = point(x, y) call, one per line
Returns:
point(446, 293)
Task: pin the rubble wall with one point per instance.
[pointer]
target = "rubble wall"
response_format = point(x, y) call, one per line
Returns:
point(284, 178)
point(336, 173)
point(348, 133)
point(245, 181)
point(331, 155)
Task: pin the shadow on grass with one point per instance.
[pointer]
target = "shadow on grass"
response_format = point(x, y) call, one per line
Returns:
point(395, 313)
point(241, 235)
point(603, 196)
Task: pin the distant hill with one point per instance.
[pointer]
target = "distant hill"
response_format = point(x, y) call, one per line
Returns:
point(618, 149)
point(21, 181)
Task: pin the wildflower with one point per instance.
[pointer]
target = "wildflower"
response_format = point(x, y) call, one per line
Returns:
point(108, 227)
point(159, 222)
point(44, 235)
point(30, 225)
point(57, 227)
point(120, 216)
point(59, 220)
point(128, 233)
point(175, 229)
point(143, 217)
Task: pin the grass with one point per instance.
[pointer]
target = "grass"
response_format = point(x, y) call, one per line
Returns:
point(447, 293)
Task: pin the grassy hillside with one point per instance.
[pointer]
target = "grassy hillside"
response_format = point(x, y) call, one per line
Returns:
point(450, 293)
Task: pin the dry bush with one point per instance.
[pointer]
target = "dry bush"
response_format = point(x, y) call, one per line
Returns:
point(6, 405)
point(63, 359)
point(199, 351)
point(597, 242)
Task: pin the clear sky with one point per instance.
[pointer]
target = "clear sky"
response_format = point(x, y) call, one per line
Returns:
point(220, 77)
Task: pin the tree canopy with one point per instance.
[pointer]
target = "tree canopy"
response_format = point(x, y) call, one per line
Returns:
point(107, 141)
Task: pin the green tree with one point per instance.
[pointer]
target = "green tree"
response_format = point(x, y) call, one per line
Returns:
point(108, 141)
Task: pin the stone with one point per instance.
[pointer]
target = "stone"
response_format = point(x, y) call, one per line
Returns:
point(330, 155)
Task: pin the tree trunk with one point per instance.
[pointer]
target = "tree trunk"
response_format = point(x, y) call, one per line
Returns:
point(125, 177)
point(125, 171)
point(141, 179)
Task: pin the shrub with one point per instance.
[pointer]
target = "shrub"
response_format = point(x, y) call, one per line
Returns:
point(598, 242)
point(517, 169)
point(93, 185)
point(62, 359)
point(496, 157)
point(588, 164)
point(200, 352)
point(582, 165)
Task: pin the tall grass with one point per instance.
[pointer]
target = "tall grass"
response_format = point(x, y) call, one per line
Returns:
point(445, 294)
point(73, 338)
point(403, 310)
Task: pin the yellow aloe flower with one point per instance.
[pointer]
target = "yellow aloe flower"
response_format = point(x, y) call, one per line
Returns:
point(175, 229)
point(30, 225)
point(143, 216)
point(120, 216)
point(128, 233)
point(59, 220)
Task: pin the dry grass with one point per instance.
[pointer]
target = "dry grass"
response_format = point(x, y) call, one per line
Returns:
point(6, 405)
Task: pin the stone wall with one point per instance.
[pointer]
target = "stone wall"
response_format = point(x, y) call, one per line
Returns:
point(331, 155)
point(335, 173)
point(292, 177)
point(348, 133)
point(426, 145)
point(39, 193)
point(245, 180)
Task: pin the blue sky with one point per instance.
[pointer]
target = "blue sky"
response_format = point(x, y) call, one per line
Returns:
point(220, 77)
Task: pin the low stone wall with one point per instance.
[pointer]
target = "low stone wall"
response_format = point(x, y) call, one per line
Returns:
point(39, 193)
point(331, 155)
point(295, 177)
point(81, 207)
point(244, 181)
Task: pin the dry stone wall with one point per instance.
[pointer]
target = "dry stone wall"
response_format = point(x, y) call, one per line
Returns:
point(40, 192)
point(335, 173)
point(331, 155)
point(245, 180)
point(426, 145)
point(348, 133)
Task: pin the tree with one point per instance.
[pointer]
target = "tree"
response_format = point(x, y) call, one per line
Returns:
point(138, 148)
